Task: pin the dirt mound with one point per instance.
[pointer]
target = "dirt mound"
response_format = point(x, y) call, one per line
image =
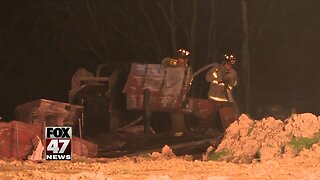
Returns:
point(166, 153)
point(248, 140)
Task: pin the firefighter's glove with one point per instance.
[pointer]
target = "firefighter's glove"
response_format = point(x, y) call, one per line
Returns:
point(226, 80)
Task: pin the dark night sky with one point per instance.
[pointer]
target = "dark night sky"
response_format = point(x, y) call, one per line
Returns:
point(42, 43)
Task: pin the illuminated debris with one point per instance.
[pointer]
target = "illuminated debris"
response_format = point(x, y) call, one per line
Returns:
point(168, 86)
point(19, 140)
point(52, 113)
point(84, 148)
point(16, 139)
point(37, 154)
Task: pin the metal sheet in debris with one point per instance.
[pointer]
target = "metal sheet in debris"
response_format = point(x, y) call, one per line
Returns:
point(201, 108)
point(53, 113)
point(83, 147)
point(168, 86)
point(16, 139)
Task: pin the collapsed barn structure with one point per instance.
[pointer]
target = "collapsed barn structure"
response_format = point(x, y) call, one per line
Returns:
point(109, 101)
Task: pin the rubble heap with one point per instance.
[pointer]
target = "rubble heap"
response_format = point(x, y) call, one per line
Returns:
point(248, 140)
point(166, 153)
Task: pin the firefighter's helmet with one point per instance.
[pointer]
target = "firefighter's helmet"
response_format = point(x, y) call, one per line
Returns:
point(184, 54)
point(230, 59)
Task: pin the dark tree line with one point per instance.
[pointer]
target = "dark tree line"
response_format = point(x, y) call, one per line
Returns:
point(43, 42)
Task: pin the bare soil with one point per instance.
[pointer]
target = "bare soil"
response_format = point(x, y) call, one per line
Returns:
point(175, 168)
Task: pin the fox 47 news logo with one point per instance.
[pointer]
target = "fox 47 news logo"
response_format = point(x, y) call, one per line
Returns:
point(58, 143)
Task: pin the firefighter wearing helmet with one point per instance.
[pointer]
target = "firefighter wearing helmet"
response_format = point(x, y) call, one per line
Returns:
point(223, 78)
point(181, 59)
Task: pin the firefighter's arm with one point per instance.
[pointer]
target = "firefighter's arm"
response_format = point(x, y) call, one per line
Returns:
point(231, 80)
point(212, 74)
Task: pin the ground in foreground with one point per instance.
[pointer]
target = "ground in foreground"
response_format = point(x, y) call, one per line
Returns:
point(144, 167)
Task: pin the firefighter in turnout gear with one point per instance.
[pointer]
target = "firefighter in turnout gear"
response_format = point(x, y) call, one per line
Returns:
point(178, 125)
point(223, 78)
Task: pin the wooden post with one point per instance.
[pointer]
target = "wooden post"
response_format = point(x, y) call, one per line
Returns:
point(80, 128)
point(146, 110)
point(114, 121)
point(81, 120)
